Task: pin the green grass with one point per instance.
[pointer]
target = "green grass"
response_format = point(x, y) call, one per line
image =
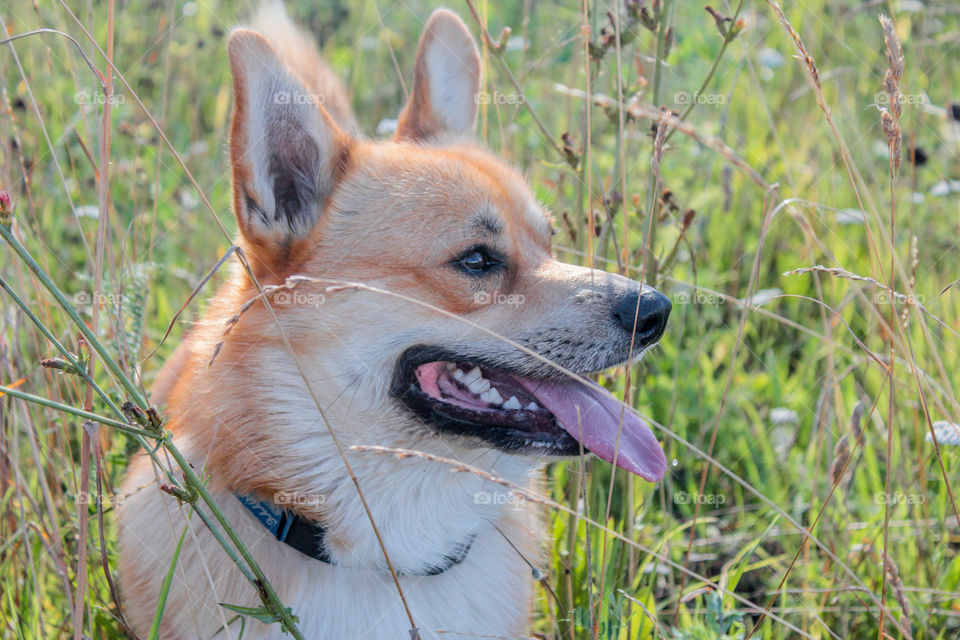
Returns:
point(776, 384)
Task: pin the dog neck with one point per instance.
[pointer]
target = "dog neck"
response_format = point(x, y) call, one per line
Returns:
point(309, 536)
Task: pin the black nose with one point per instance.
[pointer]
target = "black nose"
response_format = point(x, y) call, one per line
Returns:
point(645, 315)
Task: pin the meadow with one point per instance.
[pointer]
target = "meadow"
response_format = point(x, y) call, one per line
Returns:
point(788, 175)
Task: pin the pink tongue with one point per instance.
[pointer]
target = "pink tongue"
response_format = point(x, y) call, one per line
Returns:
point(593, 418)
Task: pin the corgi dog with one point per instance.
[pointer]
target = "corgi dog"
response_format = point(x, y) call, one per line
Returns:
point(456, 339)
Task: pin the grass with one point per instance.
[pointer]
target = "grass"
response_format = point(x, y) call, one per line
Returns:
point(814, 391)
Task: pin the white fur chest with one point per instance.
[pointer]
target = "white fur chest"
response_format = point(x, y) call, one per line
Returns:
point(488, 594)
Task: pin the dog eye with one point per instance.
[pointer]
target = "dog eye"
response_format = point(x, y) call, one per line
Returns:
point(476, 261)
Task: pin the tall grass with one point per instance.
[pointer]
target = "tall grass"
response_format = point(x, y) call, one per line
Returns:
point(797, 197)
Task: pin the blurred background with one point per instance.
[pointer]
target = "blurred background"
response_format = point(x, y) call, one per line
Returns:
point(801, 211)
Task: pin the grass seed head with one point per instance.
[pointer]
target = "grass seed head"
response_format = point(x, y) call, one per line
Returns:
point(890, 119)
point(894, 48)
point(896, 583)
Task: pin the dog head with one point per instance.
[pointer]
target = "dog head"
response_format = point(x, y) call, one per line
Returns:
point(466, 321)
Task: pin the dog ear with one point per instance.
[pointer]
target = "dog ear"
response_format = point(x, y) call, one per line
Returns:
point(285, 150)
point(446, 82)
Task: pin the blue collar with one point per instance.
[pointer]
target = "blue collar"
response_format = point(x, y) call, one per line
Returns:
point(308, 536)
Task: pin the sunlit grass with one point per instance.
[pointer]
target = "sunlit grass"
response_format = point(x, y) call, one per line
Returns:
point(770, 389)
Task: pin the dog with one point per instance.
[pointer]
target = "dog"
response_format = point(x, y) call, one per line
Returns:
point(456, 339)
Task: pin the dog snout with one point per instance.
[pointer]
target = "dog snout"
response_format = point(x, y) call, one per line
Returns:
point(644, 314)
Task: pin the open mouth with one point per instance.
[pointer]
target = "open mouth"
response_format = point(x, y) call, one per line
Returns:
point(522, 414)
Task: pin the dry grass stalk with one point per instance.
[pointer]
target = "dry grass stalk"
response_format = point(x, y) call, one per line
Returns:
point(804, 56)
point(896, 583)
point(658, 143)
point(841, 457)
point(849, 275)
point(842, 452)
point(890, 118)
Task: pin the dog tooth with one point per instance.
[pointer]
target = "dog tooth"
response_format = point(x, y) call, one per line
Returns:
point(491, 396)
point(533, 406)
point(479, 386)
point(472, 376)
point(451, 367)
point(458, 375)
point(512, 403)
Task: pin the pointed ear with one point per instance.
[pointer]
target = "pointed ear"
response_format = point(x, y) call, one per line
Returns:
point(285, 151)
point(446, 82)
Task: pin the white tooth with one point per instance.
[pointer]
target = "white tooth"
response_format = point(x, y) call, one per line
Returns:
point(451, 367)
point(491, 396)
point(472, 376)
point(533, 406)
point(479, 386)
point(512, 403)
point(458, 375)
